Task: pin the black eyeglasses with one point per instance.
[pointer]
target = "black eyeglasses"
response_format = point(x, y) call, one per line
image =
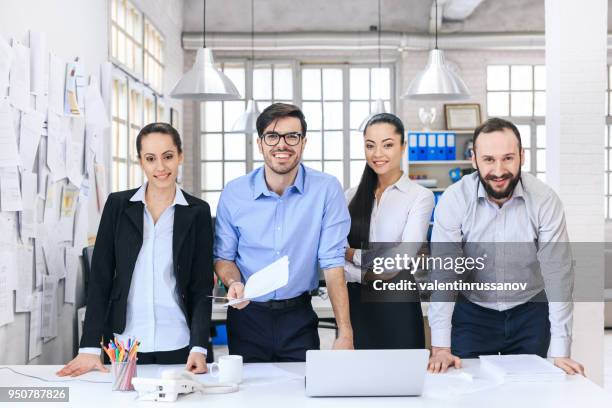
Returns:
point(273, 138)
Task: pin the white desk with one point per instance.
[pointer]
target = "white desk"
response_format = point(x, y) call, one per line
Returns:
point(282, 385)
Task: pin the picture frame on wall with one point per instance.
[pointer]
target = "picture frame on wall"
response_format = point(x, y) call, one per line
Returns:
point(462, 116)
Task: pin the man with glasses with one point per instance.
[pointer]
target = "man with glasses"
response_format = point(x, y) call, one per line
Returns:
point(282, 208)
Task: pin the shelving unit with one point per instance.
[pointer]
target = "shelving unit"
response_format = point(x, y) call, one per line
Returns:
point(438, 169)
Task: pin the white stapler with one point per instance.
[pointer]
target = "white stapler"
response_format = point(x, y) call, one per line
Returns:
point(172, 383)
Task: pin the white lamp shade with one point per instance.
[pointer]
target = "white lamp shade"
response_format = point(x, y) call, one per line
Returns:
point(204, 82)
point(437, 82)
point(379, 107)
point(248, 120)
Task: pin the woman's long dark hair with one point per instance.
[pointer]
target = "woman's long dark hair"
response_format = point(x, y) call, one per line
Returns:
point(361, 205)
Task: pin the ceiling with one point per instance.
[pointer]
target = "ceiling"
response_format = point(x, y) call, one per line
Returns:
point(410, 16)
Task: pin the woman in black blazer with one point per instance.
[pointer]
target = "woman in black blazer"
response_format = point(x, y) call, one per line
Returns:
point(152, 266)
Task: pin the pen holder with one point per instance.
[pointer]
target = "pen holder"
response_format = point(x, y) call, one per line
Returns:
point(123, 372)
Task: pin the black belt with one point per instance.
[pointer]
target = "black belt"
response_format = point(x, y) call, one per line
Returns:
point(279, 304)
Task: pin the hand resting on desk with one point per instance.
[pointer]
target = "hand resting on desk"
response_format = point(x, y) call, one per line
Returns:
point(441, 359)
point(82, 364)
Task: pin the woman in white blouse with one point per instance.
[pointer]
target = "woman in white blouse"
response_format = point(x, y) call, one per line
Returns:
point(386, 207)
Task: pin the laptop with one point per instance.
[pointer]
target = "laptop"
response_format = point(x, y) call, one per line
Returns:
point(360, 373)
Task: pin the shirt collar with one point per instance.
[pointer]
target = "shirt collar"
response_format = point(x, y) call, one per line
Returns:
point(260, 187)
point(403, 184)
point(179, 198)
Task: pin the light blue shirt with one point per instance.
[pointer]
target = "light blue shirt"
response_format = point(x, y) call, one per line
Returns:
point(309, 223)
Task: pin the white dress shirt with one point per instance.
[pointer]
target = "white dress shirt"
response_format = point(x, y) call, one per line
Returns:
point(534, 214)
point(153, 314)
point(401, 215)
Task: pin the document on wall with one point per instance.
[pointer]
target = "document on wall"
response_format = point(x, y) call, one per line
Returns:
point(81, 222)
point(30, 132)
point(57, 79)
point(39, 63)
point(54, 259)
point(25, 263)
point(8, 226)
point(6, 59)
point(49, 307)
point(8, 139)
point(75, 84)
point(266, 280)
point(70, 195)
point(19, 77)
point(58, 127)
point(43, 170)
point(6, 292)
point(74, 154)
point(51, 212)
point(35, 346)
point(10, 193)
point(28, 217)
point(40, 265)
point(100, 180)
point(72, 268)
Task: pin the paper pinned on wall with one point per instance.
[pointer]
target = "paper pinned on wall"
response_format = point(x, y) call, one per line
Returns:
point(72, 267)
point(6, 59)
point(100, 180)
point(10, 193)
point(43, 170)
point(8, 226)
point(6, 292)
point(74, 154)
point(25, 260)
point(35, 346)
point(81, 222)
point(28, 217)
point(49, 307)
point(39, 262)
point(70, 195)
point(39, 63)
point(8, 139)
point(57, 80)
point(30, 132)
point(19, 77)
point(56, 145)
point(54, 259)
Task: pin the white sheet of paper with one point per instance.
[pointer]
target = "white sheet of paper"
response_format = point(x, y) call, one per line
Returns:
point(35, 346)
point(74, 153)
point(6, 292)
point(19, 77)
point(69, 198)
point(25, 281)
point(58, 128)
point(43, 170)
point(6, 59)
point(8, 226)
point(28, 217)
point(266, 280)
point(54, 259)
point(39, 262)
point(72, 268)
point(8, 139)
point(39, 63)
point(81, 222)
point(10, 193)
point(49, 307)
point(57, 78)
point(31, 130)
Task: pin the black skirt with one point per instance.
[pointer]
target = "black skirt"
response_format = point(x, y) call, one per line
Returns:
point(382, 324)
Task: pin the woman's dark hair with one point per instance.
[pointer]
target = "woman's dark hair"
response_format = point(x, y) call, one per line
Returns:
point(277, 111)
point(361, 205)
point(159, 127)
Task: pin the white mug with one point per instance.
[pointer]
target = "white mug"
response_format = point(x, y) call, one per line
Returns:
point(229, 369)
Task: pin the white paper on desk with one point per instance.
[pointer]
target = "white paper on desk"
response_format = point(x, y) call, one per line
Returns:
point(30, 132)
point(520, 367)
point(10, 193)
point(8, 139)
point(39, 63)
point(6, 59)
point(6, 291)
point(35, 346)
point(455, 383)
point(57, 80)
point(72, 267)
point(49, 307)
point(28, 217)
point(25, 260)
point(266, 280)
point(19, 77)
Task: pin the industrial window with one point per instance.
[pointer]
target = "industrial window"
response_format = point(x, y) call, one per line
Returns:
point(518, 93)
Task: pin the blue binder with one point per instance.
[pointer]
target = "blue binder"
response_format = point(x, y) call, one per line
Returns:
point(431, 146)
point(422, 154)
point(441, 147)
point(451, 153)
point(413, 148)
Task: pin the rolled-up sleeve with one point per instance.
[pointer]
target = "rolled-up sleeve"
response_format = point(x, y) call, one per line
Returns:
point(334, 229)
point(226, 235)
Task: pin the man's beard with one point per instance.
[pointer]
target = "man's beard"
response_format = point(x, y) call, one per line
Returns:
point(499, 195)
point(282, 169)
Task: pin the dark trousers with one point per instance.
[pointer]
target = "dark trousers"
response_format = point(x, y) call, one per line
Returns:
point(262, 334)
point(161, 357)
point(477, 330)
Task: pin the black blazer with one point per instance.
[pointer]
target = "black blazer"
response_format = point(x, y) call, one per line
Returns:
point(117, 247)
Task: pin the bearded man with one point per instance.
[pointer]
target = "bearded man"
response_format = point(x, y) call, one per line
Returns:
point(522, 220)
